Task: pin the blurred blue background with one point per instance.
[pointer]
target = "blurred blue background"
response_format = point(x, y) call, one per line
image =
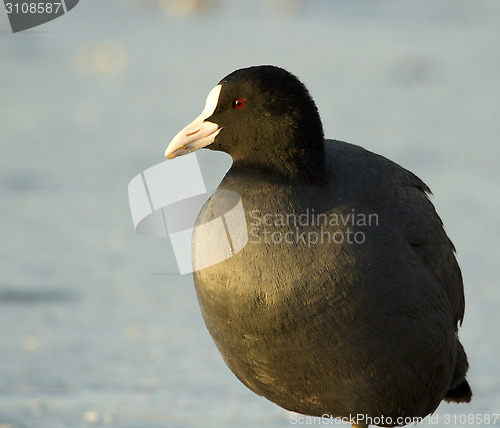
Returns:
point(96, 329)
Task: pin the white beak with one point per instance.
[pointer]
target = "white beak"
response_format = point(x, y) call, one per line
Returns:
point(199, 133)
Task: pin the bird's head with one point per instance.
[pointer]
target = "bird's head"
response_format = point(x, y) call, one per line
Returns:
point(264, 118)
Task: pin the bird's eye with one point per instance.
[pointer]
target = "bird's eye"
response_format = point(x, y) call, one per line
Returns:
point(239, 103)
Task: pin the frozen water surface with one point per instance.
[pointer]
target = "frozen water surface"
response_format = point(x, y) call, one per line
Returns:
point(96, 327)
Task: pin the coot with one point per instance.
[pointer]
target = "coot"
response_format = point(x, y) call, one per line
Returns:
point(346, 300)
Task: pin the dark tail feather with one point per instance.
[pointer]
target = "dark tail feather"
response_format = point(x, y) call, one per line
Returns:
point(460, 394)
point(460, 391)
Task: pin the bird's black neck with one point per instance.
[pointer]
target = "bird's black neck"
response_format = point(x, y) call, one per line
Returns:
point(285, 170)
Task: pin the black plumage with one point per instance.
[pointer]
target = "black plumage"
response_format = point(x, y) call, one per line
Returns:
point(335, 327)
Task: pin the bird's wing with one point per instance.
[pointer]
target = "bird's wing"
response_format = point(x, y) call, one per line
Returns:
point(403, 199)
point(416, 216)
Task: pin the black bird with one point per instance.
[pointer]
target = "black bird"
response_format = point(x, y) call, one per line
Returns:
point(347, 298)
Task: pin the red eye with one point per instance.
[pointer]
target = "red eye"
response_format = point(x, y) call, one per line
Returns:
point(239, 103)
